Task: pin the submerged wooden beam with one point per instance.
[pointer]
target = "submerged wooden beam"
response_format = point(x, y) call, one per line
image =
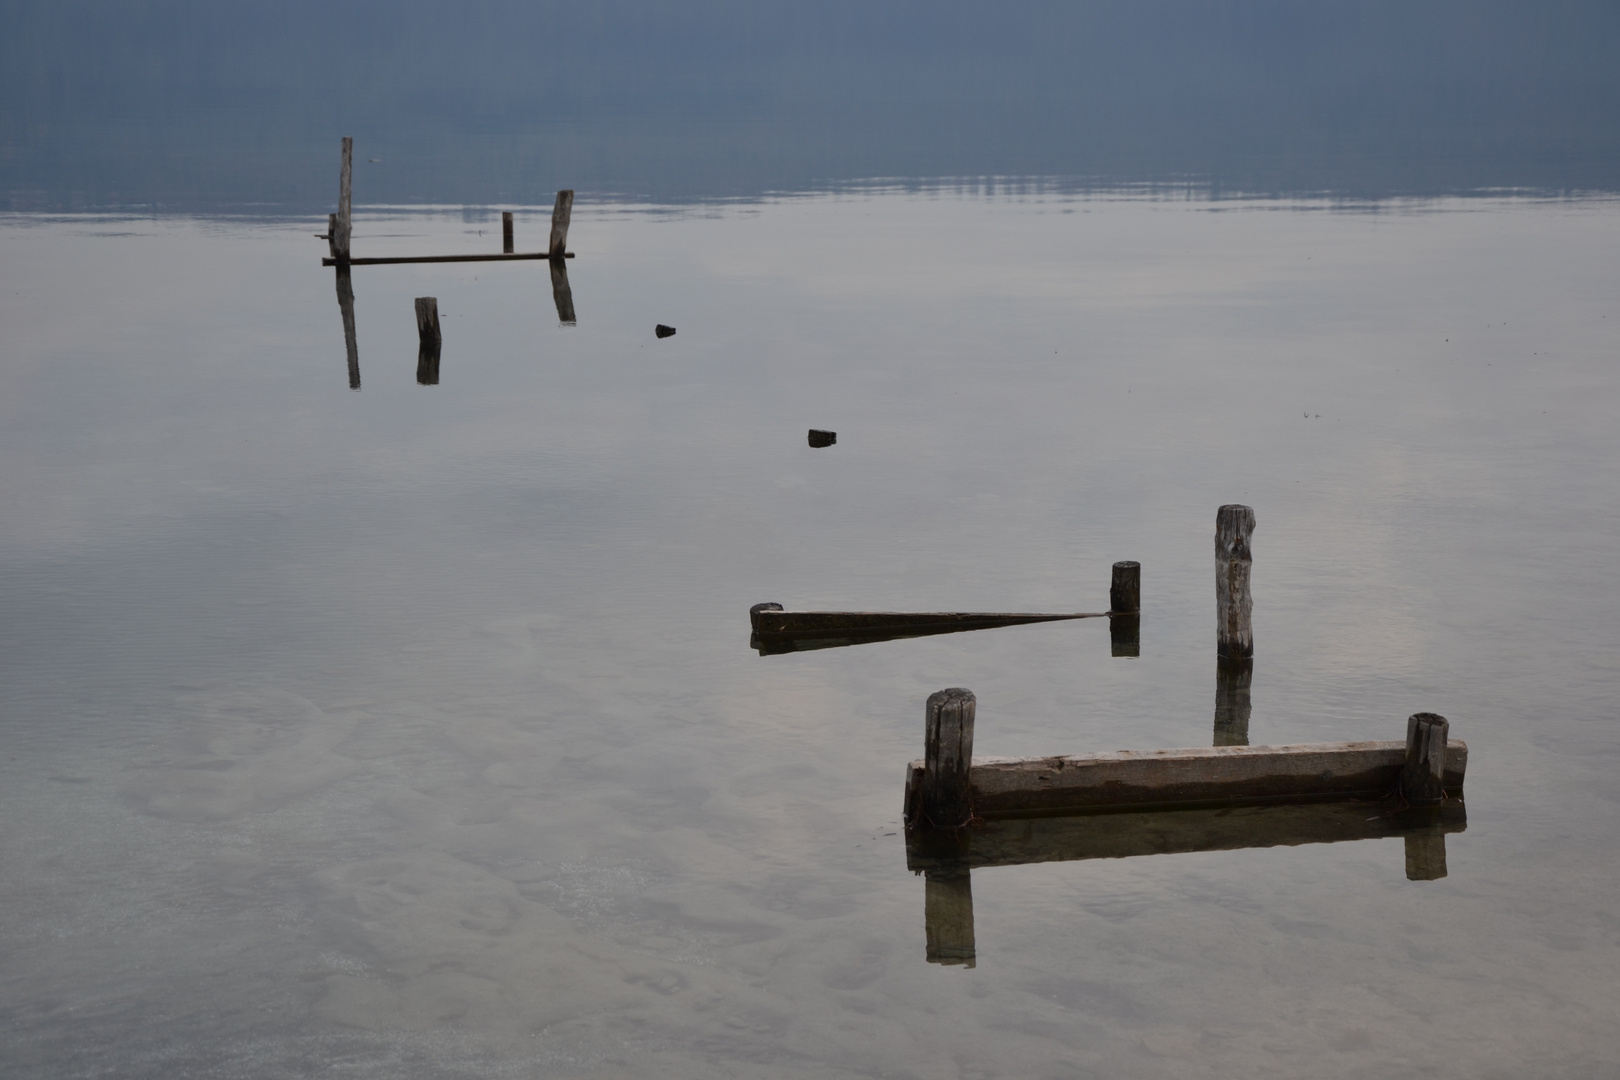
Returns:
point(394, 260)
point(1200, 776)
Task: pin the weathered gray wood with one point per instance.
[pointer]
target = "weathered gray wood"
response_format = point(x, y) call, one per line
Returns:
point(819, 439)
point(560, 214)
point(1203, 776)
point(427, 363)
point(427, 319)
point(946, 802)
point(948, 916)
point(506, 232)
point(1234, 632)
point(1124, 835)
point(1124, 605)
point(345, 186)
point(1422, 774)
point(1425, 855)
point(1232, 681)
point(561, 295)
point(345, 295)
point(395, 260)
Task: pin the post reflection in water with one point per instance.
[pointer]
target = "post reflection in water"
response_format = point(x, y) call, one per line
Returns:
point(345, 295)
point(427, 364)
point(1232, 679)
point(947, 858)
point(561, 294)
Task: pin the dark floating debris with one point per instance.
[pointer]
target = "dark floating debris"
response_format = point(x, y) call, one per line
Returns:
point(819, 439)
point(663, 331)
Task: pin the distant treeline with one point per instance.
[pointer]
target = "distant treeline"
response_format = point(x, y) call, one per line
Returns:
point(229, 105)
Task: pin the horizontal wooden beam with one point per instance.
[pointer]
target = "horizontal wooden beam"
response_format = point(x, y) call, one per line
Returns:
point(1017, 841)
point(1201, 776)
point(395, 259)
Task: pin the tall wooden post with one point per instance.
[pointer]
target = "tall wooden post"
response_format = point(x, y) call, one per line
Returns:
point(559, 223)
point(947, 801)
point(1124, 607)
point(948, 916)
point(561, 294)
point(506, 232)
point(1423, 776)
point(345, 295)
point(345, 186)
point(1234, 631)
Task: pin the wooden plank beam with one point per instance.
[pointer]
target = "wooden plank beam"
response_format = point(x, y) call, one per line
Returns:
point(394, 260)
point(1200, 776)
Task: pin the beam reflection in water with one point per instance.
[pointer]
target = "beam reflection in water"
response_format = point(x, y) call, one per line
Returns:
point(947, 858)
point(776, 631)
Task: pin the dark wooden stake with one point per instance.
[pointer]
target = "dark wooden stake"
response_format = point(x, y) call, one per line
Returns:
point(1423, 778)
point(561, 294)
point(427, 319)
point(559, 223)
point(1232, 681)
point(345, 294)
point(948, 916)
point(1234, 632)
point(341, 234)
point(1426, 855)
point(427, 363)
point(506, 232)
point(947, 801)
point(1124, 606)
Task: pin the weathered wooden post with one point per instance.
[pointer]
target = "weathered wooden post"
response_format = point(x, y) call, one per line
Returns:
point(947, 801)
point(1232, 709)
point(340, 235)
point(948, 916)
point(427, 319)
point(561, 294)
point(559, 223)
point(345, 295)
point(506, 233)
point(1234, 607)
point(1423, 777)
point(1124, 607)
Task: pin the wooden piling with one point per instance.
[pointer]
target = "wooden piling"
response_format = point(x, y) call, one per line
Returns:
point(427, 363)
point(947, 802)
point(345, 296)
point(1423, 776)
point(1124, 607)
point(1234, 632)
point(948, 916)
point(1232, 708)
point(342, 233)
point(560, 214)
point(427, 319)
point(506, 232)
point(561, 294)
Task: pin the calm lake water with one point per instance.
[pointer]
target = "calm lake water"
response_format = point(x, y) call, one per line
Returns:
point(415, 731)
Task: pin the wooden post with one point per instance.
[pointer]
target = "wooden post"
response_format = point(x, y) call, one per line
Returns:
point(1423, 778)
point(1232, 680)
point(1425, 854)
point(345, 294)
point(561, 294)
point(427, 319)
point(1124, 606)
point(427, 363)
point(947, 801)
point(345, 185)
point(948, 916)
point(559, 223)
point(506, 232)
point(1234, 632)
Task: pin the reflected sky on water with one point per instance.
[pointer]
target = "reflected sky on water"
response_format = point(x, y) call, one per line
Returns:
point(415, 728)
